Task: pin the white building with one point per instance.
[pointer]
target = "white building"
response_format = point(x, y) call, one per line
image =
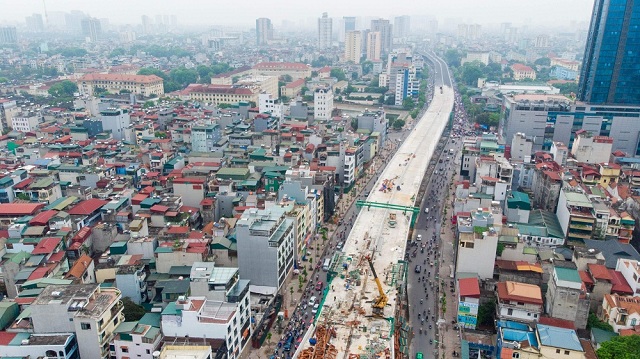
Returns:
point(265, 246)
point(58, 346)
point(477, 252)
point(521, 148)
point(630, 270)
point(325, 31)
point(269, 103)
point(25, 122)
point(186, 351)
point(621, 312)
point(374, 46)
point(322, 103)
point(139, 339)
point(353, 47)
point(89, 311)
point(116, 121)
point(205, 138)
point(518, 301)
point(481, 56)
point(591, 149)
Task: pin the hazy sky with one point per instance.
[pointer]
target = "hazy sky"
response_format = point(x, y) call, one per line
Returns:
point(218, 12)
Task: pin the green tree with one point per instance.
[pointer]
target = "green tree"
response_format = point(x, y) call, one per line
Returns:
point(486, 313)
point(390, 101)
point(543, 61)
point(408, 103)
point(148, 104)
point(131, 310)
point(3, 80)
point(23, 196)
point(338, 74)
point(99, 90)
point(627, 347)
point(287, 78)
point(453, 57)
point(398, 124)
point(65, 88)
point(71, 52)
point(152, 71)
point(414, 113)
point(117, 52)
point(183, 76)
point(594, 322)
point(471, 71)
point(567, 88)
point(354, 125)
point(160, 134)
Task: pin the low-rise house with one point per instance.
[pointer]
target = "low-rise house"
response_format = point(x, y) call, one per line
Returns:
point(621, 312)
point(567, 297)
point(518, 301)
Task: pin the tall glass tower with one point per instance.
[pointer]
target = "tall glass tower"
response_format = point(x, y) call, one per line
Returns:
point(611, 67)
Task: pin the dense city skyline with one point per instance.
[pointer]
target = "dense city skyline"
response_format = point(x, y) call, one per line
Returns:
point(534, 12)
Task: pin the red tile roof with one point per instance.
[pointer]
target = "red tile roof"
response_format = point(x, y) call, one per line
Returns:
point(87, 207)
point(6, 337)
point(46, 245)
point(585, 277)
point(555, 322)
point(281, 65)
point(79, 267)
point(619, 283)
point(469, 287)
point(159, 208)
point(42, 218)
point(294, 84)
point(19, 209)
point(146, 79)
point(178, 230)
point(599, 271)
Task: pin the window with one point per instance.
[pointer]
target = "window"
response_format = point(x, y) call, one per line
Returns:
point(148, 351)
point(509, 311)
point(566, 352)
point(124, 349)
point(557, 351)
point(515, 355)
point(85, 326)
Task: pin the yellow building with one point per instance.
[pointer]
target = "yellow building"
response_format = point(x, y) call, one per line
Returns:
point(223, 94)
point(521, 72)
point(609, 172)
point(293, 69)
point(145, 85)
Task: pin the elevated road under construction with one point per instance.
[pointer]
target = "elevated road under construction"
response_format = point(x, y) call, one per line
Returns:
point(349, 325)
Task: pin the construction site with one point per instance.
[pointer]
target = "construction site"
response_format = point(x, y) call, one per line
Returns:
point(362, 311)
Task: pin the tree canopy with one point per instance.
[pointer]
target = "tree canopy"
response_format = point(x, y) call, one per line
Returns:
point(627, 347)
point(65, 88)
point(338, 74)
point(70, 51)
point(132, 312)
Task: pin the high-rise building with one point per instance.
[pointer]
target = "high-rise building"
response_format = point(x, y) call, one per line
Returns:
point(610, 67)
point(146, 24)
point(35, 23)
point(386, 34)
point(349, 23)
point(374, 45)
point(325, 29)
point(353, 46)
point(402, 25)
point(91, 29)
point(264, 31)
point(8, 35)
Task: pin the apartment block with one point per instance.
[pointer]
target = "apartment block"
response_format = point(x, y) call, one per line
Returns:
point(591, 149)
point(575, 214)
point(265, 246)
point(89, 311)
point(322, 103)
point(630, 270)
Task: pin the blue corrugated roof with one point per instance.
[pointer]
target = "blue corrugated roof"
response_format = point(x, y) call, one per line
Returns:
point(559, 337)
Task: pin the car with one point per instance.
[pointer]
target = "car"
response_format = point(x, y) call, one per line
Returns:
point(419, 237)
point(417, 270)
point(426, 210)
point(419, 355)
point(339, 246)
point(312, 301)
point(315, 308)
point(319, 285)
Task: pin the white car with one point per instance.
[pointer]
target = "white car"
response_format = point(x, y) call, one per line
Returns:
point(419, 237)
point(312, 301)
point(426, 210)
point(315, 308)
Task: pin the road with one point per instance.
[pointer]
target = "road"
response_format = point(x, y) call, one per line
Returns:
point(423, 287)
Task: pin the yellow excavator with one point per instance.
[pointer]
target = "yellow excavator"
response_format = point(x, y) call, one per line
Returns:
point(381, 301)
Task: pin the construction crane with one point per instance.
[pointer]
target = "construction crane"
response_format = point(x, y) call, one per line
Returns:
point(381, 301)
